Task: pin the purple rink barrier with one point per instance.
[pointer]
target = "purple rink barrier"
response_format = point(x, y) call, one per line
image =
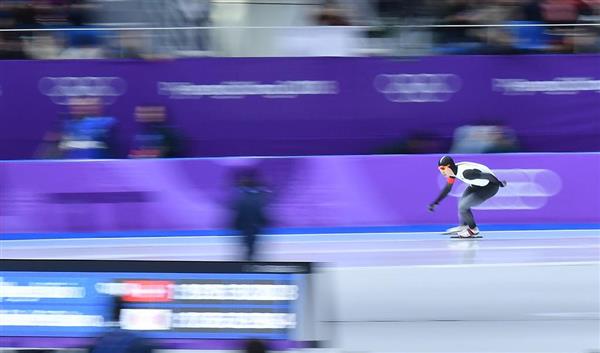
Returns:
point(350, 191)
point(305, 106)
point(84, 342)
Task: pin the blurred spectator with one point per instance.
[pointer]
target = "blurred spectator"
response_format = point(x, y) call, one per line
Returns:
point(249, 211)
point(117, 340)
point(500, 40)
point(589, 11)
point(532, 11)
point(560, 11)
point(157, 14)
point(479, 40)
point(155, 139)
point(194, 13)
point(129, 45)
point(43, 46)
point(331, 14)
point(256, 346)
point(567, 39)
point(25, 16)
point(587, 40)
point(11, 48)
point(84, 42)
point(86, 134)
point(11, 16)
point(417, 143)
point(457, 40)
point(391, 32)
point(526, 31)
point(401, 9)
point(484, 139)
point(330, 34)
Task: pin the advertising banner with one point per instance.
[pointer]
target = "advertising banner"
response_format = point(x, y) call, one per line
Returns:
point(305, 106)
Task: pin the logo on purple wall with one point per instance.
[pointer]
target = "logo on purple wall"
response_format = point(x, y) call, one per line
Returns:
point(558, 85)
point(241, 89)
point(417, 88)
point(61, 89)
point(527, 189)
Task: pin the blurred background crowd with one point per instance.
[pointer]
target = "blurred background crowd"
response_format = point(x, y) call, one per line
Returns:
point(87, 132)
point(85, 29)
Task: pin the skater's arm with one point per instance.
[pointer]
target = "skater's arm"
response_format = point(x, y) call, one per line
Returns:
point(445, 191)
point(478, 174)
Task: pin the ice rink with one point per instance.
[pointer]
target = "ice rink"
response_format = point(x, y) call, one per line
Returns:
point(512, 291)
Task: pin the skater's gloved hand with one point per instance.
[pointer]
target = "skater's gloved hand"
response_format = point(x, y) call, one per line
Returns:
point(503, 183)
point(431, 207)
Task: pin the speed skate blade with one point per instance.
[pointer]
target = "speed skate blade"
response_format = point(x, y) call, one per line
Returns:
point(454, 230)
point(459, 237)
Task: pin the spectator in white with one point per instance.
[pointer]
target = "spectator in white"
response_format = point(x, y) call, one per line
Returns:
point(484, 139)
point(87, 134)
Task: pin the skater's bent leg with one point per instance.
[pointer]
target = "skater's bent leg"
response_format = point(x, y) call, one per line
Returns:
point(474, 197)
point(464, 210)
point(465, 203)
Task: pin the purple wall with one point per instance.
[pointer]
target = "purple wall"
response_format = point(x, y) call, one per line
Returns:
point(192, 194)
point(301, 106)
